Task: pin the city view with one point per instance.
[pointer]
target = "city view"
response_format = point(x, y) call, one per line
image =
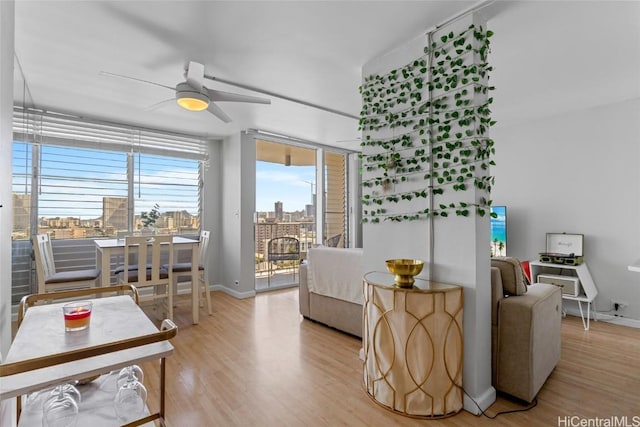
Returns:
point(112, 221)
point(279, 223)
point(285, 207)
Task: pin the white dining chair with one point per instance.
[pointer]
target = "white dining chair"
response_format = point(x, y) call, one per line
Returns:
point(183, 269)
point(143, 258)
point(49, 279)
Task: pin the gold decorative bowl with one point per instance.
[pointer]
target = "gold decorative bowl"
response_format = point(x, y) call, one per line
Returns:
point(404, 270)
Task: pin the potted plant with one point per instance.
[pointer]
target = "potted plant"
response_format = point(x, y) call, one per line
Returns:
point(149, 219)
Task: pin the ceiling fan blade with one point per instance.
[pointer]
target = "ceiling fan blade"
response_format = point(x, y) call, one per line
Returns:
point(159, 104)
point(220, 96)
point(106, 73)
point(195, 75)
point(217, 111)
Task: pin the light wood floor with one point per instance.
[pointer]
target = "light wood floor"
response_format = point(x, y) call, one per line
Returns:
point(256, 362)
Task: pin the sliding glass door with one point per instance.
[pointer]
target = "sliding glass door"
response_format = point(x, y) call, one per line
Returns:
point(285, 225)
point(301, 201)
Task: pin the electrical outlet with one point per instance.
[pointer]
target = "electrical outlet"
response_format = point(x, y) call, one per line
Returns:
point(618, 305)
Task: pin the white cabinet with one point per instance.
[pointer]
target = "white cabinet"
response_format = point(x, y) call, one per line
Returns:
point(588, 291)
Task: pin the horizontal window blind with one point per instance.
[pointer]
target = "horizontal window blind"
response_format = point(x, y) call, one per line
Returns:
point(59, 129)
point(172, 184)
point(335, 218)
point(76, 191)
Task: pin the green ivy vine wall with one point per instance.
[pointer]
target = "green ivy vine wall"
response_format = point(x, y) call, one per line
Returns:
point(425, 132)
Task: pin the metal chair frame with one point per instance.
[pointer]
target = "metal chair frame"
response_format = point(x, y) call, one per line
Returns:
point(282, 248)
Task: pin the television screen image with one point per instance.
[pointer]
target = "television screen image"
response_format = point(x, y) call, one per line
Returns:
point(499, 231)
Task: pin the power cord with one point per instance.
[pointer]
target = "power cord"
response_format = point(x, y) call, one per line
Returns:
point(510, 411)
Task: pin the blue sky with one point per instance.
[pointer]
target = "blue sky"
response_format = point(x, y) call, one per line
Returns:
point(74, 180)
point(276, 182)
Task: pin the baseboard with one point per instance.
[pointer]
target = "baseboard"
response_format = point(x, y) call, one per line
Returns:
point(604, 317)
point(618, 320)
point(478, 404)
point(185, 288)
point(233, 292)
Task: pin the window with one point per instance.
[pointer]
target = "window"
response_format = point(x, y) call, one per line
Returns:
point(174, 185)
point(78, 180)
point(75, 188)
point(21, 190)
point(84, 193)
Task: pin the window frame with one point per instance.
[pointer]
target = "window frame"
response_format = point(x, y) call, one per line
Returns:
point(37, 128)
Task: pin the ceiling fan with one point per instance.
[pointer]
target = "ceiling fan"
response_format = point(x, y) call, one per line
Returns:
point(192, 95)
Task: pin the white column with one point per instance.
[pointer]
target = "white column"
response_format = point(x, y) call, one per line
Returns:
point(320, 199)
point(6, 145)
point(460, 244)
point(7, 22)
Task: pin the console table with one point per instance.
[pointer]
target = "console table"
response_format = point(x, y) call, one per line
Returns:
point(43, 354)
point(412, 344)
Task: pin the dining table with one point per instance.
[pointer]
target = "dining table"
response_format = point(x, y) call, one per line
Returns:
point(108, 248)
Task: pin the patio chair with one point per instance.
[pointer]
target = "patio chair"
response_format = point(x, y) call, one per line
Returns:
point(282, 249)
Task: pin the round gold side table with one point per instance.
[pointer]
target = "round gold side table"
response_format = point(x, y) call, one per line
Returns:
point(412, 341)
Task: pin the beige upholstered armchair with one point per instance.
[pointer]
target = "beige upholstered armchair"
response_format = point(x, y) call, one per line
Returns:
point(526, 321)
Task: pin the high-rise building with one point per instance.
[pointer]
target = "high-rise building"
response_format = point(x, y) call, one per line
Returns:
point(310, 210)
point(180, 220)
point(278, 209)
point(21, 213)
point(114, 213)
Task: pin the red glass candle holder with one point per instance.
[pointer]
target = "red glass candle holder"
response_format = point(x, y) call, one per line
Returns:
point(77, 315)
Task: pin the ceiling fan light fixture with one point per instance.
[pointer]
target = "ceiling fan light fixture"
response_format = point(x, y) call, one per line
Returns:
point(192, 101)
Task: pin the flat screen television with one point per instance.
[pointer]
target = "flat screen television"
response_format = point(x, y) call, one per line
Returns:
point(498, 231)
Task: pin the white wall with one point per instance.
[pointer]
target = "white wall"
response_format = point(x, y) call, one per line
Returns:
point(6, 217)
point(460, 253)
point(212, 210)
point(577, 173)
point(567, 102)
point(238, 200)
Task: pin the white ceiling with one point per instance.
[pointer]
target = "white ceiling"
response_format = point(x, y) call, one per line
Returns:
point(312, 51)
point(549, 57)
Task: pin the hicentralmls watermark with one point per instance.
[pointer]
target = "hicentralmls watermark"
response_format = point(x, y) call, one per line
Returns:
point(612, 421)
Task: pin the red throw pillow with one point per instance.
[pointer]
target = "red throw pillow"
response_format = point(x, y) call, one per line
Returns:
point(527, 270)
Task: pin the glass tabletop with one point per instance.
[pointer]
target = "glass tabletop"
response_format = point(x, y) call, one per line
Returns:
point(387, 280)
